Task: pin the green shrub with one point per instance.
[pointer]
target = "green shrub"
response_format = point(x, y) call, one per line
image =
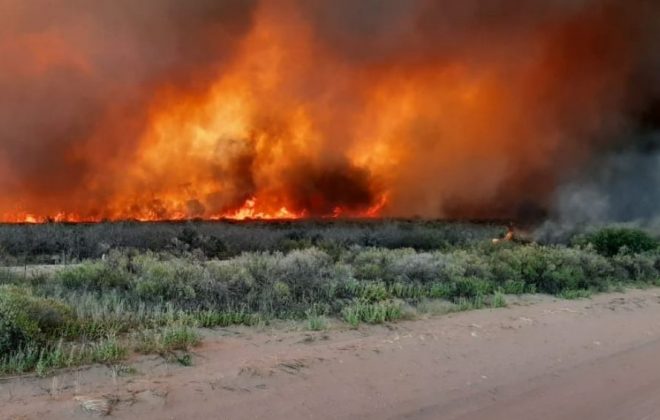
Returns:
point(231, 281)
point(609, 241)
point(440, 290)
point(315, 321)
point(165, 295)
point(514, 287)
point(468, 304)
point(304, 271)
point(371, 264)
point(411, 291)
point(27, 319)
point(636, 267)
point(211, 318)
point(498, 300)
point(470, 287)
point(175, 337)
point(372, 313)
point(372, 292)
point(44, 359)
point(423, 267)
point(174, 280)
point(180, 337)
point(549, 269)
point(93, 276)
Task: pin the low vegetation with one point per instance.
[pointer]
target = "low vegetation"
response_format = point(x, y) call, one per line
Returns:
point(154, 301)
point(613, 240)
point(66, 243)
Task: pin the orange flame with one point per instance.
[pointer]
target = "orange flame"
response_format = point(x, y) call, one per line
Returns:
point(293, 117)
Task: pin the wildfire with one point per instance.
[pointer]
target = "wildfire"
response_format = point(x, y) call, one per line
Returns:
point(291, 109)
point(508, 236)
point(249, 210)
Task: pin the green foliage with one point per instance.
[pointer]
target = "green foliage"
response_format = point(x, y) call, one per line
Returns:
point(470, 287)
point(171, 280)
point(26, 319)
point(514, 287)
point(96, 276)
point(179, 337)
point(171, 338)
point(67, 243)
point(45, 359)
point(636, 268)
point(610, 241)
point(316, 322)
point(372, 313)
point(211, 319)
point(158, 299)
point(469, 304)
point(498, 300)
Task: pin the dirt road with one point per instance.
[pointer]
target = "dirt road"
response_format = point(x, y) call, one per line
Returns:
point(553, 359)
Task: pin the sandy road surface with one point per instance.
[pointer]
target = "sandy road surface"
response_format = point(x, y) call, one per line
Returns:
point(554, 359)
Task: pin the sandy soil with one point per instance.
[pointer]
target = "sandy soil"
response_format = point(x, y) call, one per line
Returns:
point(551, 359)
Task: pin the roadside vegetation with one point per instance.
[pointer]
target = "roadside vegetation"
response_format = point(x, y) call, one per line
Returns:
point(129, 300)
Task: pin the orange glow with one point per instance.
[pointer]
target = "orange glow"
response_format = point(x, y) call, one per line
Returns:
point(248, 211)
point(292, 115)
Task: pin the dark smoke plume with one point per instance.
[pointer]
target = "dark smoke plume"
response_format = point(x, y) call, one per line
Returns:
point(480, 109)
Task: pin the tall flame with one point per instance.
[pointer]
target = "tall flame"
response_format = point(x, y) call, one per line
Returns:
point(291, 109)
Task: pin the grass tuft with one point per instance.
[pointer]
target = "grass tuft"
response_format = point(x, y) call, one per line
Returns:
point(498, 300)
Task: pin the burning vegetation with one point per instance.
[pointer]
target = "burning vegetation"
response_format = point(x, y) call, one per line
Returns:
point(289, 109)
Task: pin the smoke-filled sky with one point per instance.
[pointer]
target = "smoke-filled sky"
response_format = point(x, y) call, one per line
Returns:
point(161, 109)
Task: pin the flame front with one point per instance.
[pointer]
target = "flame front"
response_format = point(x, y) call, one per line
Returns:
point(294, 112)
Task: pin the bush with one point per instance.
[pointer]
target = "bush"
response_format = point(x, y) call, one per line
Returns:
point(375, 264)
point(316, 322)
point(190, 239)
point(636, 267)
point(610, 241)
point(549, 269)
point(327, 271)
point(498, 300)
point(94, 276)
point(231, 281)
point(470, 287)
point(27, 320)
point(174, 280)
point(305, 272)
point(423, 267)
point(46, 243)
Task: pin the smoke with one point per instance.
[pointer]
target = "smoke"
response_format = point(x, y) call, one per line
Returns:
point(621, 185)
point(509, 109)
point(75, 86)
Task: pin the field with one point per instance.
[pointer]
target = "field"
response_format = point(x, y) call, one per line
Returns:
point(75, 295)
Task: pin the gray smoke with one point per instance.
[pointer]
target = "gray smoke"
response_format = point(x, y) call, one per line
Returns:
point(620, 187)
point(70, 70)
point(579, 79)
